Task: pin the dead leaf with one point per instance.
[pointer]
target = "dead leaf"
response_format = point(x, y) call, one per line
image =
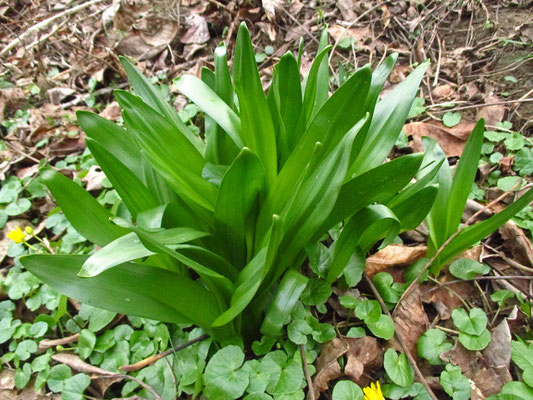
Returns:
point(489, 381)
point(197, 32)
point(94, 178)
point(498, 351)
point(444, 92)
point(517, 242)
point(394, 255)
point(451, 140)
point(505, 163)
point(111, 112)
point(327, 366)
point(410, 320)
point(48, 343)
point(59, 94)
point(338, 33)
point(460, 356)
point(365, 354)
point(347, 9)
point(270, 7)
point(445, 299)
point(491, 114)
point(7, 379)
point(76, 363)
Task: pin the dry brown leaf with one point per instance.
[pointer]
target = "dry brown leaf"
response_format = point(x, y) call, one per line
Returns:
point(445, 299)
point(411, 321)
point(365, 354)
point(347, 8)
point(460, 356)
point(393, 255)
point(7, 379)
point(327, 366)
point(450, 144)
point(489, 381)
point(48, 343)
point(197, 32)
point(111, 112)
point(491, 114)
point(498, 352)
point(444, 92)
point(76, 363)
point(270, 7)
point(517, 242)
point(338, 33)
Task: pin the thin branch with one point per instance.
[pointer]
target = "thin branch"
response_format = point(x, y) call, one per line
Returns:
point(42, 24)
point(132, 378)
point(496, 103)
point(154, 358)
point(311, 391)
point(406, 351)
point(479, 278)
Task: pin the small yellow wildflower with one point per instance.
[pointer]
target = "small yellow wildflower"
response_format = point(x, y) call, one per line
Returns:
point(17, 235)
point(373, 392)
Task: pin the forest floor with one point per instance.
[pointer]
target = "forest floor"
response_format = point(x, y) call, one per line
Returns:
point(59, 56)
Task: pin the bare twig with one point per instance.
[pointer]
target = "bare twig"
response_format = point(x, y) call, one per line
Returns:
point(154, 358)
point(47, 343)
point(132, 378)
point(42, 24)
point(496, 103)
point(412, 361)
point(479, 278)
point(311, 391)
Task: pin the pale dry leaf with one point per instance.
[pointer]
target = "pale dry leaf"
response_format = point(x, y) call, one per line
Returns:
point(517, 243)
point(410, 321)
point(270, 7)
point(197, 32)
point(460, 356)
point(76, 363)
point(451, 140)
point(491, 114)
point(327, 366)
point(347, 9)
point(394, 255)
point(48, 343)
point(365, 354)
point(498, 352)
point(489, 381)
point(338, 33)
point(7, 379)
point(445, 299)
point(94, 178)
point(111, 112)
point(444, 92)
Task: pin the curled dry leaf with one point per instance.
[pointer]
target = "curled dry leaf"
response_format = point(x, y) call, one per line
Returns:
point(364, 354)
point(445, 299)
point(498, 352)
point(491, 114)
point(460, 356)
point(76, 363)
point(394, 255)
point(517, 243)
point(489, 381)
point(338, 33)
point(410, 321)
point(444, 92)
point(197, 32)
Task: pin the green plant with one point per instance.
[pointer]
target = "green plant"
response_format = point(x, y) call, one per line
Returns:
point(443, 221)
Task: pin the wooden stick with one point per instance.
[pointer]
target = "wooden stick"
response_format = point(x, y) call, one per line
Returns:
point(311, 391)
point(154, 358)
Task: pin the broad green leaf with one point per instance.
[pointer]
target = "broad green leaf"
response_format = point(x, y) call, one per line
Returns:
point(518, 389)
point(389, 116)
point(475, 342)
point(389, 290)
point(86, 343)
point(224, 372)
point(128, 289)
point(131, 190)
point(287, 294)
point(522, 355)
point(22, 376)
point(322, 81)
point(257, 128)
point(473, 323)
point(154, 99)
point(379, 76)
point(455, 383)
point(347, 390)
point(500, 296)
point(238, 191)
point(75, 386)
point(412, 211)
point(85, 214)
point(368, 310)
point(465, 174)
point(432, 344)
point(310, 84)
point(208, 100)
point(398, 368)
point(450, 119)
point(383, 327)
point(466, 268)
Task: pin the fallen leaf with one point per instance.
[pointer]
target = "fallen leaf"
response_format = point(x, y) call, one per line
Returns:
point(57, 95)
point(444, 92)
point(365, 354)
point(491, 114)
point(197, 32)
point(394, 255)
point(111, 112)
point(410, 321)
point(76, 363)
point(94, 178)
point(270, 7)
point(460, 356)
point(445, 299)
point(48, 343)
point(338, 33)
point(498, 352)
point(450, 144)
point(327, 366)
point(489, 381)
point(517, 243)
point(7, 379)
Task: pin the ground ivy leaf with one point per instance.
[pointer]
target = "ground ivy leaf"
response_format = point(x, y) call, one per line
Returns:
point(86, 343)
point(58, 375)
point(262, 347)
point(259, 377)
point(18, 207)
point(432, 344)
point(224, 372)
point(398, 368)
point(258, 396)
point(501, 296)
point(25, 349)
point(97, 317)
point(389, 290)
point(522, 355)
point(22, 376)
point(298, 331)
point(383, 327)
point(519, 389)
point(466, 268)
point(454, 383)
point(473, 323)
point(316, 292)
point(356, 332)
point(475, 342)
point(347, 390)
point(323, 333)
point(38, 329)
point(450, 119)
point(291, 378)
point(368, 311)
point(348, 301)
point(509, 182)
point(75, 386)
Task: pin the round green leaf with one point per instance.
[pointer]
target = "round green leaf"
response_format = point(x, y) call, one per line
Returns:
point(75, 386)
point(501, 296)
point(18, 207)
point(356, 332)
point(432, 344)
point(22, 376)
point(383, 327)
point(389, 290)
point(86, 343)
point(224, 372)
point(25, 349)
point(38, 329)
point(527, 376)
point(473, 323)
point(509, 182)
point(347, 390)
point(450, 119)
point(519, 389)
point(316, 292)
point(454, 383)
point(466, 268)
point(475, 342)
point(368, 310)
point(298, 331)
point(398, 368)
point(58, 375)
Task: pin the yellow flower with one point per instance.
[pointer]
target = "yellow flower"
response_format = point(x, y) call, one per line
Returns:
point(373, 392)
point(17, 235)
